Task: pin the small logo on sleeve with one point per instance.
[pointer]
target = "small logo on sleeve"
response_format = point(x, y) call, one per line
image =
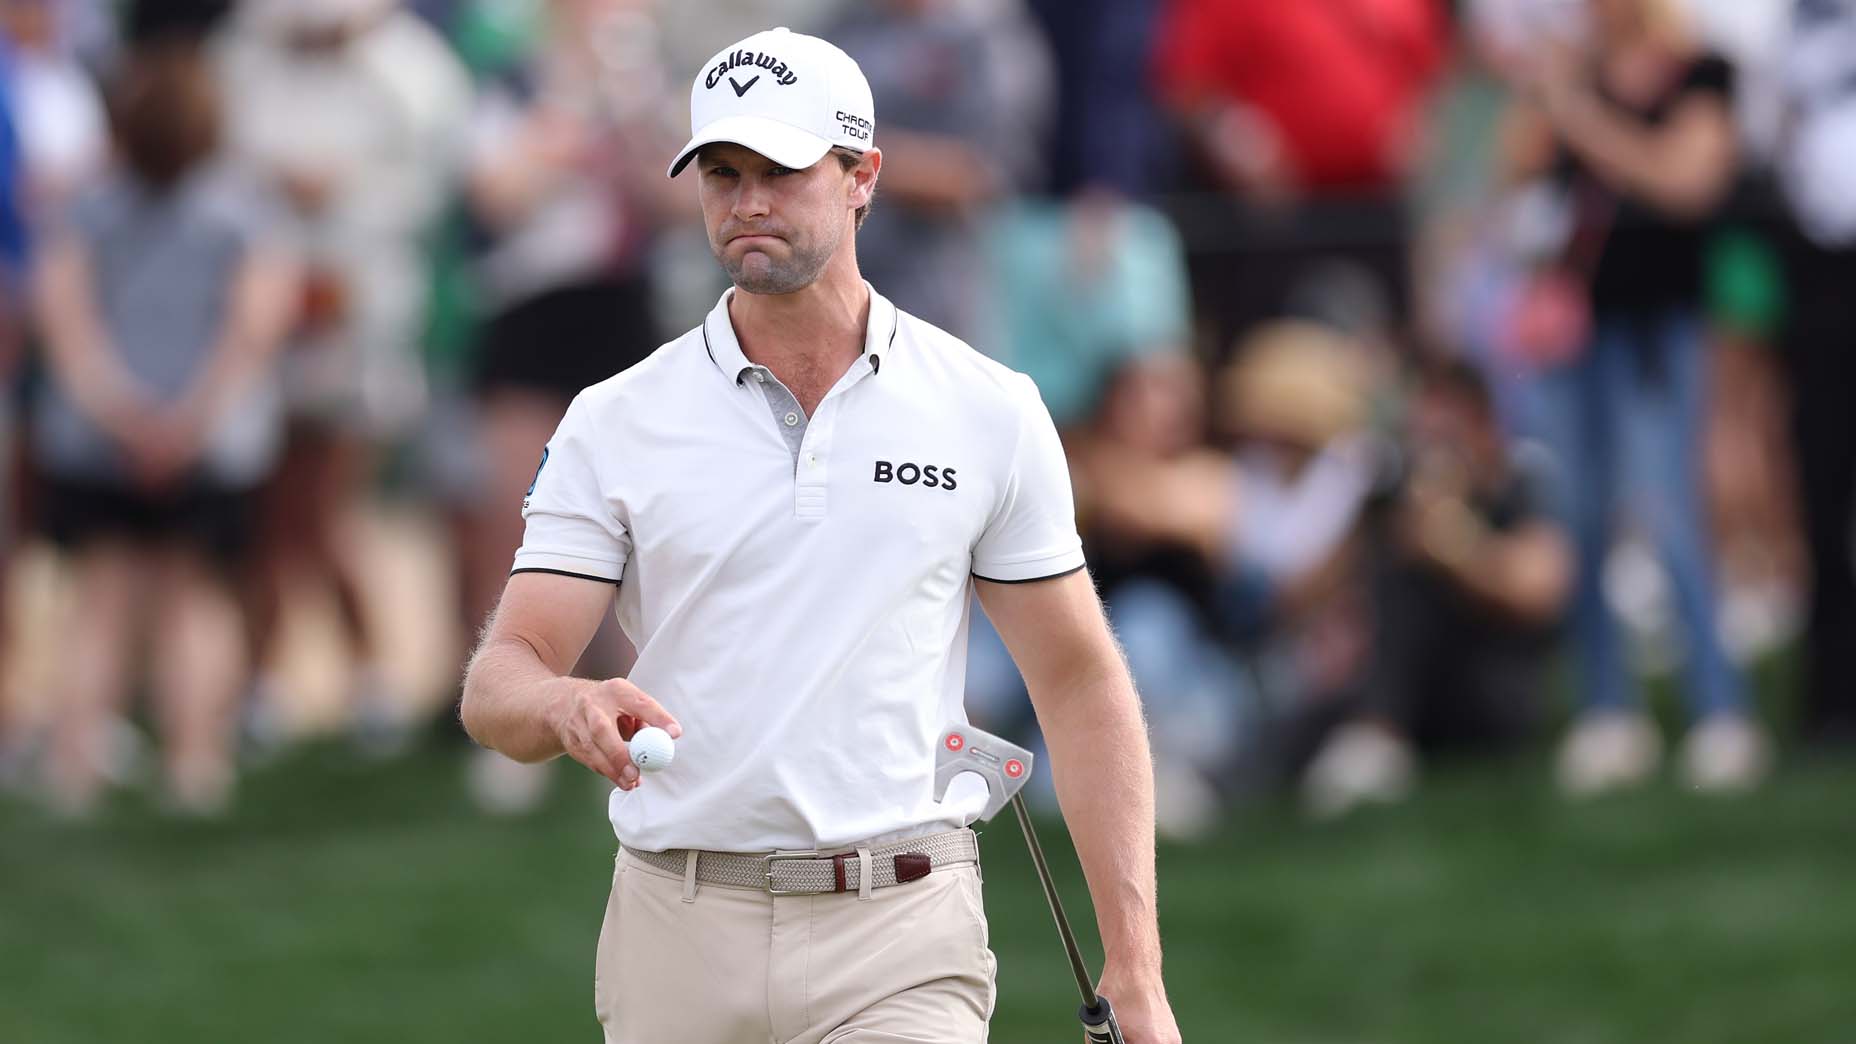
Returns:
point(536, 479)
point(928, 475)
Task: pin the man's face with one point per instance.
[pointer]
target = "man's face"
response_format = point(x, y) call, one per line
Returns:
point(29, 24)
point(1618, 18)
point(1448, 426)
point(773, 228)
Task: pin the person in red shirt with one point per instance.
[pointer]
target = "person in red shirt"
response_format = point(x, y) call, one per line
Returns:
point(1288, 99)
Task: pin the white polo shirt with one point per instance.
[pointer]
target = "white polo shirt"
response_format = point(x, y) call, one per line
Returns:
point(798, 589)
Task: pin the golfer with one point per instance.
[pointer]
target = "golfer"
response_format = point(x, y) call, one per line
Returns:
point(791, 506)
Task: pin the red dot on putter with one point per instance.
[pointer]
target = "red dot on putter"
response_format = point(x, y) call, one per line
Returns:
point(1014, 768)
point(955, 742)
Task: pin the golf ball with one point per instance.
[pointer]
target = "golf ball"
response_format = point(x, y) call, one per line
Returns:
point(652, 749)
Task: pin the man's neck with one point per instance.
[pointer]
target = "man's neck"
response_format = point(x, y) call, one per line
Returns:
point(808, 338)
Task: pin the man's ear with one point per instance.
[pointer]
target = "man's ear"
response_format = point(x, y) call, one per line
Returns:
point(863, 177)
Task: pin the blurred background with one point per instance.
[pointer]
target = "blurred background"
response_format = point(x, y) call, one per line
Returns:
point(1460, 398)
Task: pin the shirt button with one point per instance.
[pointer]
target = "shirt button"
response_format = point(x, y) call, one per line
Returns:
point(812, 461)
point(791, 419)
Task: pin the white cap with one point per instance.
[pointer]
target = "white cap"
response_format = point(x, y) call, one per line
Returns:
point(788, 96)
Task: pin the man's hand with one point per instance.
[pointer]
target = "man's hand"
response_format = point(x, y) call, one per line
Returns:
point(308, 189)
point(164, 447)
point(595, 721)
point(1141, 1008)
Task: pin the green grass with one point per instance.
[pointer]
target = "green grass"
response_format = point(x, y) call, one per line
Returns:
point(357, 903)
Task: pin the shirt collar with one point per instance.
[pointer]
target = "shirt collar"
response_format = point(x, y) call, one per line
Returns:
point(724, 348)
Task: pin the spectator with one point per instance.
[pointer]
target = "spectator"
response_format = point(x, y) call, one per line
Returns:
point(567, 188)
point(59, 117)
point(1152, 499)
point(1286, 99)
point(1198, 550)
point(12, 309)
point(163, 298)
point(12, 209)
point(1468, 585)
point(964, 90)
point(1085, 287)
point(1272, 514)
point(55, 139)
point(1109, 135)
point(1818, 165)
point(1637, 134)
point(1258, 542)
point(1307, 114)
point(1750, 459)
point(353, 110)
point(1296, 403)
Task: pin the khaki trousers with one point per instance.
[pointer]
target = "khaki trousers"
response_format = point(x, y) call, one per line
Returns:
point(718, 965)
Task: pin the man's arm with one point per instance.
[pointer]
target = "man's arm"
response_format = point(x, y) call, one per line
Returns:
point(1682, 168)
point(260, 307)
point(519, 698)
point(1526, 574)
point(77, 347)
point(1103, 769)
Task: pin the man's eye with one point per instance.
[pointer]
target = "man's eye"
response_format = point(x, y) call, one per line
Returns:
point(722, 172)
point(774, 172)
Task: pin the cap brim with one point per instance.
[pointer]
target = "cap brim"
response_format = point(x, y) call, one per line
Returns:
point(784, 144)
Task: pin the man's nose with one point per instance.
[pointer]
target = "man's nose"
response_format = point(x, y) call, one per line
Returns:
point(752, 200)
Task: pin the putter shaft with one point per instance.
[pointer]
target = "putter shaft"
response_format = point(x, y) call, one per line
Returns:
point(1056, 905)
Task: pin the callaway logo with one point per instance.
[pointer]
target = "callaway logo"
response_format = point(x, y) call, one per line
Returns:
point(739, 59)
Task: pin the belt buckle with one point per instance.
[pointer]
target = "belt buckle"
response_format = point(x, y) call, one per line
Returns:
point(777, 857)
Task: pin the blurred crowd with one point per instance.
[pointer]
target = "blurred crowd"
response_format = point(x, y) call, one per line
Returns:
point(1435, 376)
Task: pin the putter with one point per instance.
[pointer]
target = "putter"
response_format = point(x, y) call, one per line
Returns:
point(1005, 767)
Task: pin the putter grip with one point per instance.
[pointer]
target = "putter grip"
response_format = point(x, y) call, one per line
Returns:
point(1099, 1025)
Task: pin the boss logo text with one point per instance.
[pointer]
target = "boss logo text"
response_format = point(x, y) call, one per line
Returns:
point(911, 474)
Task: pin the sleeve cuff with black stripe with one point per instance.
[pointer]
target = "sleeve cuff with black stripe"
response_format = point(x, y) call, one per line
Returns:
point(1030, 569)
point(532, 561)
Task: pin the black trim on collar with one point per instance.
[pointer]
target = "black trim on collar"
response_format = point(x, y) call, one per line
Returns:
point(718, 363)
point(876, 361)
point(1028, 579)
point(563, 572)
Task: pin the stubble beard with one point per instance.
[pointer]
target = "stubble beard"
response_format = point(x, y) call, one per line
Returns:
point(758, 272)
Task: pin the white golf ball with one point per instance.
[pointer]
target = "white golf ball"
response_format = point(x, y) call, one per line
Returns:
point(652, 749)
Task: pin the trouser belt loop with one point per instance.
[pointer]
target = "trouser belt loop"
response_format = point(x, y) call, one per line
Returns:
point(866, 873)
point(689, 875)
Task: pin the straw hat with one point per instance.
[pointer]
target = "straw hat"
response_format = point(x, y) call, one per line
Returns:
point(1296, 382)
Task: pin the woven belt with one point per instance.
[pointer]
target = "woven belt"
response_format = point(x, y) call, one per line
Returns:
point(813, 873)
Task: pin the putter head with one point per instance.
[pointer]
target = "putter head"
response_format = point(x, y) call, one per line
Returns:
point(1004, 766)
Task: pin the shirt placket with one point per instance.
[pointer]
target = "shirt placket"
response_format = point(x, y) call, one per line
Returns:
point(812, 445)
point(812, 475)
